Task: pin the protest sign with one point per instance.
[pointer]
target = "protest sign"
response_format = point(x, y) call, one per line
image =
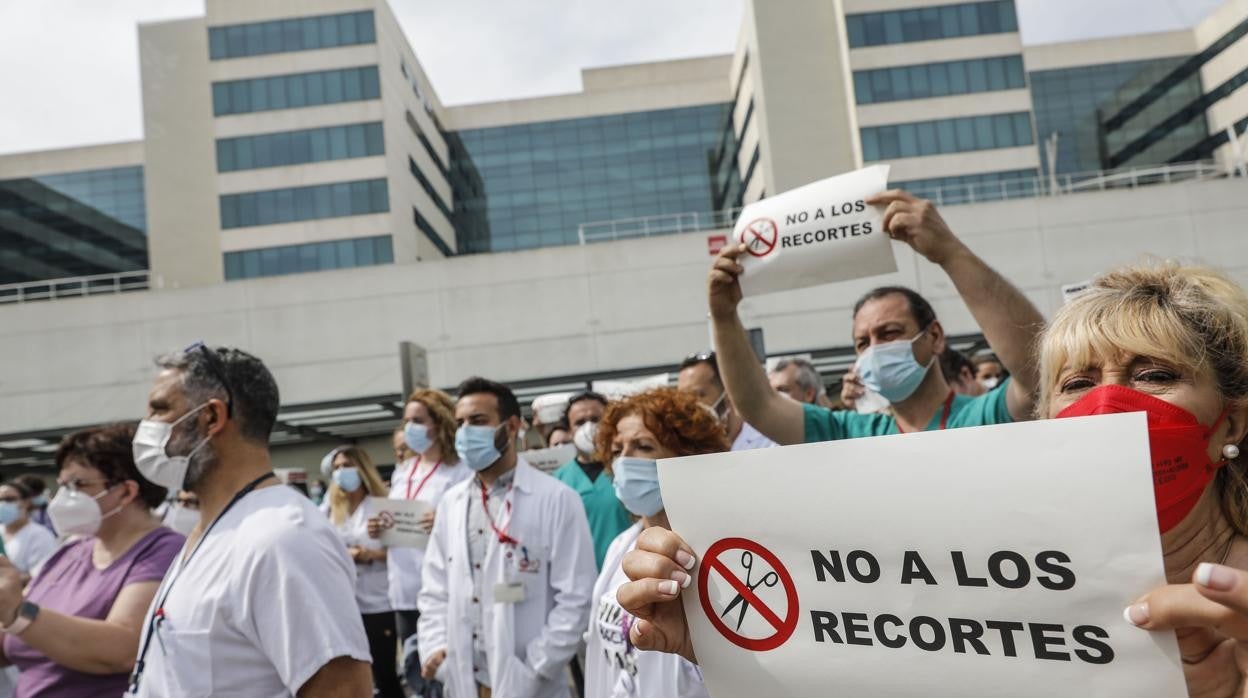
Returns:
point(549, 459)
point(400, 521)
point(816, 234)
point(992, 561)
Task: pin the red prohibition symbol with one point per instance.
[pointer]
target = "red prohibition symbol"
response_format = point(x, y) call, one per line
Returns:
point(760, 237)
point(386, 520)
point(746, 599)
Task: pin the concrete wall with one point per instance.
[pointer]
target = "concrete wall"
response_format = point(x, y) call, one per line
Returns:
point(91, 157)
point(1225, 66)
point(802, 92)
point(1121, 49)
point(617, 90)
point(556, 311)
point(183, 218)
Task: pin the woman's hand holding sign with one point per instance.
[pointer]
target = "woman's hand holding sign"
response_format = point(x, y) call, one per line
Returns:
point(658, 568)
point(1210, 617)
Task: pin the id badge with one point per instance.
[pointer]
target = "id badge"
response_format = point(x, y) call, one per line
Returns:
point(522, 562)
point(509, 592)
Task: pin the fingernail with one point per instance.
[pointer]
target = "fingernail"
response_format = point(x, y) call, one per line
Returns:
point(684, 559)
point(682, 578)
point(1215, 577)
point(669, 587)
point(1136, 615)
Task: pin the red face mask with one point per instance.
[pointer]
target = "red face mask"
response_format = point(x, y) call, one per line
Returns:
point(1179, 445)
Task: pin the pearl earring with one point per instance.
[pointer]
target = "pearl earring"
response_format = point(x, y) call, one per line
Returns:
point(1230, 451)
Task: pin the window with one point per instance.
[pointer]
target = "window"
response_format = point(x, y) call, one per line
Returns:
point(297, 90)
point(946, 136)
point(281, 36)
point(304, 203)
point(931, 23)
point(938, 79)
point(987, 186)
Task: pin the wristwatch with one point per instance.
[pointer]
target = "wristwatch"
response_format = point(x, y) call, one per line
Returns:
point(26, 614)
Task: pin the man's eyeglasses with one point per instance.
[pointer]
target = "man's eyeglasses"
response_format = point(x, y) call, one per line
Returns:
point(218, 372)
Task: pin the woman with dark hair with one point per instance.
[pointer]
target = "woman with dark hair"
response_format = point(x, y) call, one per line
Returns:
point(634, 434)
point(76, 630)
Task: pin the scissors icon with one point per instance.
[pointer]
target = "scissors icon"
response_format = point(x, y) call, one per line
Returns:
point(770, 580)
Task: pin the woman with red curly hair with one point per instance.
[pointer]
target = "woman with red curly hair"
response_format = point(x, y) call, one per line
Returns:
point(634, 434)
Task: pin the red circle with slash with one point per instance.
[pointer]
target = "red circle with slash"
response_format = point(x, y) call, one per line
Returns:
point(760, 237)
point(784, 627)
point(386, 520)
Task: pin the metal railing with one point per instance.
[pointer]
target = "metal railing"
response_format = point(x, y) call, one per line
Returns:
point(947, 195)
point(75, 287)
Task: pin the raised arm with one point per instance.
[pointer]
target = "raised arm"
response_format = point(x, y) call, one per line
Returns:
point(772, 414)
point(1009, 321)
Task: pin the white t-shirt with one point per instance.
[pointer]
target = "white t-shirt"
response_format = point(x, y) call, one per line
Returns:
point(405, 483)
point(613, 667)
point(266, 600)
point(372, 585)
point(29, 547)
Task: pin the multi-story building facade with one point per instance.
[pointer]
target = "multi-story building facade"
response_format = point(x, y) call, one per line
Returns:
point(283, 138)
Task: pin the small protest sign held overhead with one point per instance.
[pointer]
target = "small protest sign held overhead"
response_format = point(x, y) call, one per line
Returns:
point(817, 234)
point(990, 561)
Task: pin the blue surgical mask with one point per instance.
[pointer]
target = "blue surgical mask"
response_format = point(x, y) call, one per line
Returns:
point(347, 479)
point(891, 370)
point(10, 512)
point(416, 436)
point(476, 446)
point(39, 501)
point(637, 485)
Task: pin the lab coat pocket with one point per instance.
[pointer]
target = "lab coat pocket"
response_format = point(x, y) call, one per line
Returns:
point(518, 680)
point(189, 656)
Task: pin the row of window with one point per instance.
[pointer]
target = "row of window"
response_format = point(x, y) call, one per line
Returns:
point(283, 35)
point(423, 225)
point(946, 136)
point(939, 79)
point(985, 186)
point(304, 203)
point(428, 187)
point(931, 23)
point(297, 90)
point(314, 256)
point(299, 147)
point(117, 192)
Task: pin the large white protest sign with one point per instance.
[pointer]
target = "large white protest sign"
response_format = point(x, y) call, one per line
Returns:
point(990, 561)
point(400, 521)
point(816, 234)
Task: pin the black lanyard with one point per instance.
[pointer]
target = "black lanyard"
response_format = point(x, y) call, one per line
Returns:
point(158, 616)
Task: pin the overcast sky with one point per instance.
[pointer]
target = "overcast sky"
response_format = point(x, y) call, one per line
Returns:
point(69, 69)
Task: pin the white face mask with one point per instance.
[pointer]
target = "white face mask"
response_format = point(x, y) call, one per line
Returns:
point(181, 519)
point(584, 438)
point(77, 514)
point(157, 466)
point(990, 383)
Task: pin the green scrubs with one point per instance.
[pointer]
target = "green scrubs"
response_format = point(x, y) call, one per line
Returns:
point(826, 425)
point(607, 516)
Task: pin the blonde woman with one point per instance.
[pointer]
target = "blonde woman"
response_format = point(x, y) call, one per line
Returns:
point(1165, 340)
point(354, 479)
point(428, 468)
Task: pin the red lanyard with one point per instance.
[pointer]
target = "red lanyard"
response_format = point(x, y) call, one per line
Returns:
point(944, 414)
point(502, 534)
point(412, 476)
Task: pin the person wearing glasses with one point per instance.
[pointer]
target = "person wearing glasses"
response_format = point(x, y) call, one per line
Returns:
point(74, 630)
point(262, 601)
point(898, 339)
point(584, 474)
point(699, 376)
point(26, 543)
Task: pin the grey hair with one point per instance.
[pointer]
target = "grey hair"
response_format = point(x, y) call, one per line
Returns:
point(255, 398)
point(807, 376)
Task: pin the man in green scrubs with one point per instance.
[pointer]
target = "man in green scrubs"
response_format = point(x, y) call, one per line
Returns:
point(607, 516)
point(897, 338)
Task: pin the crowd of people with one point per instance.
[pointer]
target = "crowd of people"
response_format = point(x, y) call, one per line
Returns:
point(536, 584)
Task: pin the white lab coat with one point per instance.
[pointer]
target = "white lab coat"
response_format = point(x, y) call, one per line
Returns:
point(528, 643)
